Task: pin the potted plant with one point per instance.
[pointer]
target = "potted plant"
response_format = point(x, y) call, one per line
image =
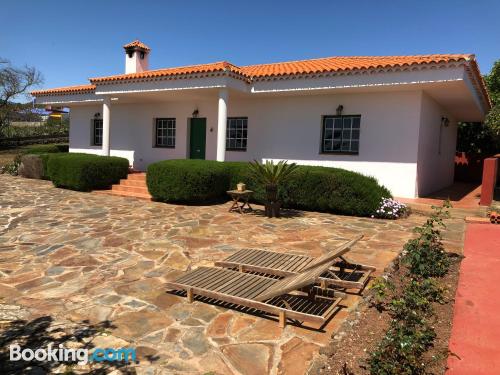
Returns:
point(271, 175)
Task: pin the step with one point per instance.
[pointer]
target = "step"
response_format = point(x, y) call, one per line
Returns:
point(130, 189)
point(127, 182)
point(137, 176)
point(124, 194)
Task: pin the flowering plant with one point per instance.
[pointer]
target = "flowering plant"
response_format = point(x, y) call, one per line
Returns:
point(391, 209)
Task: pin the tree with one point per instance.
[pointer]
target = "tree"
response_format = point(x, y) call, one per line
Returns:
point(15, 83)
point(484, 138)
point(493, 83)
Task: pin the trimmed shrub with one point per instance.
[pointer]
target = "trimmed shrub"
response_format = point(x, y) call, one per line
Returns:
point(308, 188)
point(85, 172)
point(320, 189)
point(46, 149)
point(187, 181)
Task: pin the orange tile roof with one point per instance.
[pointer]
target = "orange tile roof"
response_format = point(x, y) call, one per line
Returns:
point(289, 68)
point(192, 69)
point(314, 66)
point(137, 44)
point(80, 89)
point(347, 63)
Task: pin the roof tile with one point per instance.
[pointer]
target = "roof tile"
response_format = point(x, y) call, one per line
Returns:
point(137, 44)
point(261, 71)
point(80, 89)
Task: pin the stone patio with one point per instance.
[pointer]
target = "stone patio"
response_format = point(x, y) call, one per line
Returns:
point(82, 259)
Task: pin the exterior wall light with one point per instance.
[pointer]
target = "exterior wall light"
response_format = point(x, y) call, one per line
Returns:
point(340, 108)
point(97, 115)
point(445, 121)
point(195, 113)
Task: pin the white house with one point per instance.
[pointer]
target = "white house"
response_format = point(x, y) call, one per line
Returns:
point(391, 117)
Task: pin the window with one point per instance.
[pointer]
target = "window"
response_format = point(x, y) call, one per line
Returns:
point(97, 132)
point(165, 132)
point(236, 133)
point(341, 134)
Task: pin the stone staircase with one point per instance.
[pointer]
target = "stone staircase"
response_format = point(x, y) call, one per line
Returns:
point(133, 186)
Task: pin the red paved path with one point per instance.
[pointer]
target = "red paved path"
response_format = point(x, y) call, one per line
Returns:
point(475, 336)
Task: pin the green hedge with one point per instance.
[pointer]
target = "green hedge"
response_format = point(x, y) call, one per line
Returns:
point(85, 172)
point(309, 188)
point(187, 181)
point(46, 149)
point(320, 189)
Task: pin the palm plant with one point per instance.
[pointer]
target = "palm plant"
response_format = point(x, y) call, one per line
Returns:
point(271, 175)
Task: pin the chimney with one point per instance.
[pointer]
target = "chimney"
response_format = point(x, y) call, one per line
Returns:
point(136, 57)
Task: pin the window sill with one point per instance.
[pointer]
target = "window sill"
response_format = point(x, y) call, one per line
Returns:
point(339, 153)
point(156, 146)
point(236, 149)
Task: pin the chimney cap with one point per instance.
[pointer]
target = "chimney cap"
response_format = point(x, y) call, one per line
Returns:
point(136, 45)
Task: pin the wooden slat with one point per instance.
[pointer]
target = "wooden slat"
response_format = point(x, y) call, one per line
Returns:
point(285, 260)
point(203, 281)
point(261, 306)
point(300, 266)
point(238, 255)
point(249, 256)
point(293, 259)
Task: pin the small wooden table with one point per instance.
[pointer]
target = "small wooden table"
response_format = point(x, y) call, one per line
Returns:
point(240, 196)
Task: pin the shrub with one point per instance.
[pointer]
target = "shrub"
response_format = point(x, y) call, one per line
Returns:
point(425, 255)
point(46, 149)
point(85, 172)
point(400, 351)
point(187, 181)
point(321, 189)
point(391, 209)
point(11, 168)
point(309, 188)
point(410, 333)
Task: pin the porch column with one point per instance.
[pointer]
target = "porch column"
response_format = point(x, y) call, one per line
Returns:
point(222, 124)
point(106, 123)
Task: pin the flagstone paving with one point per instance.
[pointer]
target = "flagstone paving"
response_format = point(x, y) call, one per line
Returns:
point(83, 257)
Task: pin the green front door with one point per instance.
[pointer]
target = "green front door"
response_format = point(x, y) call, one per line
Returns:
point(197, 138)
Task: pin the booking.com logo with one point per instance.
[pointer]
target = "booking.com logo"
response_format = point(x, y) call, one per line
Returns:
point(80, 356)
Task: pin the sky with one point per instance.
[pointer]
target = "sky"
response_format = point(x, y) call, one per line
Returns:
point(71, 41)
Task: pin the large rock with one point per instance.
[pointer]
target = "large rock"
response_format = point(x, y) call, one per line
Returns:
point(31, 167)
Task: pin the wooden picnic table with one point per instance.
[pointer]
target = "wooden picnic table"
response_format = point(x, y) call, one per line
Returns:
point(238, 197)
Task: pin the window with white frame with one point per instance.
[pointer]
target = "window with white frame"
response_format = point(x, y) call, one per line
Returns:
point(97, 132)
point(165, 132)
point(341, 134)
point(237, 133)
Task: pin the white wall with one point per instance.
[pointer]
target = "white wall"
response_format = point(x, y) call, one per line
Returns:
point(132, 125)
point(435, 154)
point(280, 127)
point(290, 128)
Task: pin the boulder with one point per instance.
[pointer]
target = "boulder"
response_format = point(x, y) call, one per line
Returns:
point(31, 167)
